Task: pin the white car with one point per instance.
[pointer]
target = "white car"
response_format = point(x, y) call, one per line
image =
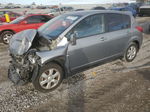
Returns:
point(58, 11)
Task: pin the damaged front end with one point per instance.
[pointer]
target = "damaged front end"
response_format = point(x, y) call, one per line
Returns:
point(21, 68)
point(24, 60)
point(26, 49)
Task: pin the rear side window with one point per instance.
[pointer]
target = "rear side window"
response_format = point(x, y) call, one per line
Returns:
point(117, 22)
point(37, 19)
point(89, 26)
point(127, 21)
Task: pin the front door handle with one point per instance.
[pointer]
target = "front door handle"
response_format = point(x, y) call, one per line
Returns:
point(102, 38)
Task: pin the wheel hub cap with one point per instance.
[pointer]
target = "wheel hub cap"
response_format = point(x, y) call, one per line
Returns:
point(49, 78)
point(7, 38)
point(131, 52)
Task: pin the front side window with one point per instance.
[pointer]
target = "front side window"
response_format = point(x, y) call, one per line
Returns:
point(89, 26)
point(117, 22)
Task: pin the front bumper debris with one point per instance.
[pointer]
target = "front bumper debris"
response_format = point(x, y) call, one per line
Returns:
point(14, 76)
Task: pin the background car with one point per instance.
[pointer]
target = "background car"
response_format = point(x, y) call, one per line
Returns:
point(66, 9)
point(41, 7)
point(135, 6)
point(11, 14)
point(79, 9)
point(54, 12)
point(145, 9)
point(32, 21)
point(127, 8)
point(98, 8)
point(61, 10)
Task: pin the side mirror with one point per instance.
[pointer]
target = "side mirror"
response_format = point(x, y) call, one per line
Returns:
point(73, 39)
point(23, 22)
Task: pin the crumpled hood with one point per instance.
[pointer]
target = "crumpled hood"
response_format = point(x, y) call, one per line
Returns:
point(22, 41)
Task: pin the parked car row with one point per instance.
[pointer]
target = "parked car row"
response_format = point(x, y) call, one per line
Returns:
point(135, 8)
point(139, 9)
point(61, 10)
point(126, 8)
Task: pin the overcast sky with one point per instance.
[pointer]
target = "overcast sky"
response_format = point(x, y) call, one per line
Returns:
point(49, 2)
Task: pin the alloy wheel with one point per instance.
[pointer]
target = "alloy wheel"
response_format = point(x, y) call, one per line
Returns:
point(131, 53)
point(50, 78)
point(7, 37)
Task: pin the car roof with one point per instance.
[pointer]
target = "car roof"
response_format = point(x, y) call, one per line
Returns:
point(91, 12)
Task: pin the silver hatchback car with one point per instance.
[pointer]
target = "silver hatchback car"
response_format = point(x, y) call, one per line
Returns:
point(71, 43)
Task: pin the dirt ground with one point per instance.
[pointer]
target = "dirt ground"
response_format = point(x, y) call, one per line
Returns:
point(113, 87)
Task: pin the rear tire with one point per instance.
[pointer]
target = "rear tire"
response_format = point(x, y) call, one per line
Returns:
point(131, 52)
point(6, 36)
point(49, 78)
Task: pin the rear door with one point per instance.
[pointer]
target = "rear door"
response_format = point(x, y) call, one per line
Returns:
point(118, 33)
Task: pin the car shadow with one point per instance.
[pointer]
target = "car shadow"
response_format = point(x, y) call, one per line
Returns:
point(146, 72)
point(76, 93)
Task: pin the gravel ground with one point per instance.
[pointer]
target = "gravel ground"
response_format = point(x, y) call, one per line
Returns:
point(113, 87)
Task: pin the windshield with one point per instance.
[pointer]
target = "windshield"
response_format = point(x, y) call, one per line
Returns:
point(58, 25)
point(16, 21)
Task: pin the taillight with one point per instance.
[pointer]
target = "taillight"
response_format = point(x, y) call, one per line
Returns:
point(139, 28)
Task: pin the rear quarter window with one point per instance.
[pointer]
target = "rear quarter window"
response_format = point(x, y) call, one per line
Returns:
point(117, 22)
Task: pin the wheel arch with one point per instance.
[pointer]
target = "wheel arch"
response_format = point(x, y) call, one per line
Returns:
point(4, 31)
point(137, 43)
point(7, 30)
point(60, 60)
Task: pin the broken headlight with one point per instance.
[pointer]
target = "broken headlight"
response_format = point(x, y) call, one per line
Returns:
point(32, 59)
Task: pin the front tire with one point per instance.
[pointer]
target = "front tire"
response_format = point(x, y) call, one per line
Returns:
point(49, 78)
point(131, 52)
point(6, 36)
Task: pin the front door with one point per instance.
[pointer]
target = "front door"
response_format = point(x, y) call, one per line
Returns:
point(89, 46)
